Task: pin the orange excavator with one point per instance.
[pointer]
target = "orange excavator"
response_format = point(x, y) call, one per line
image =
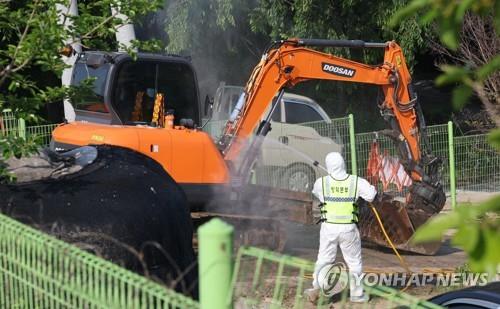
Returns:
point(158, 118)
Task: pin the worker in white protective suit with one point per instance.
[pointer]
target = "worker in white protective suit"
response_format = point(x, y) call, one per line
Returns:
point(338, 193)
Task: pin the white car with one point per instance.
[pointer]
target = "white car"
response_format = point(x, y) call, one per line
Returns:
point(289, 150)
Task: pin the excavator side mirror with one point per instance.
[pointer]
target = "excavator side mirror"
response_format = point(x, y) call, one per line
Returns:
point(208, 108)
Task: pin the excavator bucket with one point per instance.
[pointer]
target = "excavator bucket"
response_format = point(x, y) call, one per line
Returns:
point(400, 219)
point(398, 223)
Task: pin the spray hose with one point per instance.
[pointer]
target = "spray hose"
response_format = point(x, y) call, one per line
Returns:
point(401, 260)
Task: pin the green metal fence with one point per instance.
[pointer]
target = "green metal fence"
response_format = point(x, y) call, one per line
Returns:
point(17, 127)
point(290, 165)
point(477, 164)
point(438, 143)
point(39, 271)
point(42, 133)
point(339, 131)
point(264, 279)
point(8, 120)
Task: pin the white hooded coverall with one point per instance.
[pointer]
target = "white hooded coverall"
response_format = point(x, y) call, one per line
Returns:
point(344, 235)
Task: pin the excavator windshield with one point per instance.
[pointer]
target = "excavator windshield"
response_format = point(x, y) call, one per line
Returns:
point(123, 90)
point(174, 80)
point(91, 101)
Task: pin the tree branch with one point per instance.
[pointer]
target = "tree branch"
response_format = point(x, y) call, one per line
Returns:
point(479, 44)
point(98, 26)
point(9, 68)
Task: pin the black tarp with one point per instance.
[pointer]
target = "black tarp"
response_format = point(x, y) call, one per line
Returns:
point(123, 201)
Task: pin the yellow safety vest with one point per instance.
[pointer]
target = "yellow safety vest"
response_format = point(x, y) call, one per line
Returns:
point(339, 200)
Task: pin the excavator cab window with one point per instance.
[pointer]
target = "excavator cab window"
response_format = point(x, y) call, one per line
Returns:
point(90, 100)
point(146, 78)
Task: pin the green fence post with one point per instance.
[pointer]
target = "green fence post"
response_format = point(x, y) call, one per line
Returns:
point(21, 127)
point(451, 155)
point(352, 142)
point(215, 267)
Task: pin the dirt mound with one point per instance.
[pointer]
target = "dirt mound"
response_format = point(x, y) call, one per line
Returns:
point(123, 206)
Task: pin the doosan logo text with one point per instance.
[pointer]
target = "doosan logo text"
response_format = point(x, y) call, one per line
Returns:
point(338, 70)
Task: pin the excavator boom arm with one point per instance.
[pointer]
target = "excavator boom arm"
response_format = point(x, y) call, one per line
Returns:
point(292, 63)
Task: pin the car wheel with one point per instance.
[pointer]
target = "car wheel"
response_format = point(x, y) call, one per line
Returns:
point(298, 178)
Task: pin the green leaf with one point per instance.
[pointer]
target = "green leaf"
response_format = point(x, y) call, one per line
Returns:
point(492, 204)
point(452, 74)
point(449, 37)
point(489, 68)
point(494, 138)
point(428, 17)
point(486, 257)
point(461, 95)
point(434, 229)
point(406, 11)
point(467, 236)
point(491, 256)
point(462, 7)
point(496, 16)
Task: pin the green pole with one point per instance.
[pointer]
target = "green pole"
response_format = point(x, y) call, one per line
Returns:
point(215, 267)
point(21, 128)
point(451, 154)
point(352, 142)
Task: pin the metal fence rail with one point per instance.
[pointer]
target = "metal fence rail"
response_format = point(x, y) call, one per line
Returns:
point(477, 164)
point(339, 131)
point(41, 134)
point(8, 121)
point(9, 125)
point(264, 279)
point(438, 143)
point(290, 166)
point(39, 271)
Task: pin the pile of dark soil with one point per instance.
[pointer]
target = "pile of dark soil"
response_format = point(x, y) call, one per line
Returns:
point(123, 207)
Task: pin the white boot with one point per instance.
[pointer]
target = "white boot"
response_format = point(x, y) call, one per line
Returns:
point(360, 299)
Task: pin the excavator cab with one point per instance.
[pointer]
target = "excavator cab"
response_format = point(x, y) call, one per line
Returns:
point(122, 90)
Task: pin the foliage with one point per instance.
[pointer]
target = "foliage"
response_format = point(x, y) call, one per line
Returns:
point(477, 233)
point(188, 15)
point(448, 15)
point(229, 37)
point(477, 227)
point(469, 32)
point(348, 19)
point(15, 147)
point(32, 37)
point(283, 19)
